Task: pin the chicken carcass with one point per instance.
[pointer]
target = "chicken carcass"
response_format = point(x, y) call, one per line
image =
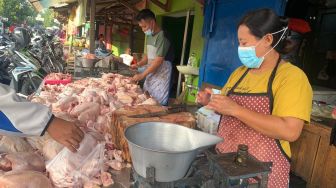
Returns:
point(124, 98)
point(64, 115)
point(10, 144)
point(38, 99)
point(65, 103)
point(37, 142)
point(24, 161)
point(24, 179)
point(51, 148)
point(5, 164)
point(149, 101)
point(83, 107)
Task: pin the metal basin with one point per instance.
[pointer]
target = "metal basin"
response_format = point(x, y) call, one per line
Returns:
point(168, 148)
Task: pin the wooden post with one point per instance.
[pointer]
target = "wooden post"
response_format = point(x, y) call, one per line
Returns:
point(131, 40)
point(183, 53)
point(105, 26)
point(92, 26)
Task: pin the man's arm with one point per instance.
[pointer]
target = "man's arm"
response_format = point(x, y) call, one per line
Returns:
point(155, 64)
point(143, 61)
point(21, 117)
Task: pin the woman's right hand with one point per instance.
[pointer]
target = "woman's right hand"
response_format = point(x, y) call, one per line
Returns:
point(203, 97)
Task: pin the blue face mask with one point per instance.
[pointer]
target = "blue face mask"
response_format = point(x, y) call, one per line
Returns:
point(149, 32)
point(248, 56)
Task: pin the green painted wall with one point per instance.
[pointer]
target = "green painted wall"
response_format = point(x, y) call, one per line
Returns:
point(197, 42)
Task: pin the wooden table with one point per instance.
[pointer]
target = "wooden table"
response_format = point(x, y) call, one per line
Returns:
point(313, 158)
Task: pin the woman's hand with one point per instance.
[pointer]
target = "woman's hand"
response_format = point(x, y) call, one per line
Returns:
point(65, 133)
point(203, 97)
point(223, 105)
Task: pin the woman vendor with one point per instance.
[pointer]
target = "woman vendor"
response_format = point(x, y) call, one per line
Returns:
point(265, 102)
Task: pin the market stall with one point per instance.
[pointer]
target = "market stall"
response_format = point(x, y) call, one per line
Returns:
point(130, 139)
point(97, 105)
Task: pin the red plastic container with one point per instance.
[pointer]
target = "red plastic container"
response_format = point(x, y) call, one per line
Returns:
point(57, 82)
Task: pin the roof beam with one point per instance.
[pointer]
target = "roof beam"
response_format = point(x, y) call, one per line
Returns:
point(129, 6)
point(164, 6)
point(105, 3)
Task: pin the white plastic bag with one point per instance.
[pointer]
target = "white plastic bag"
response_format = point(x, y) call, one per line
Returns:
point(69, 169)
point(127, 59)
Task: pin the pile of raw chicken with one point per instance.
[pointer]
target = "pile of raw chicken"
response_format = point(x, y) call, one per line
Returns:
point(90, 102)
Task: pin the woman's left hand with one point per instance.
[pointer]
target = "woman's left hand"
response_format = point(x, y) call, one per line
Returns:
point(223, 105)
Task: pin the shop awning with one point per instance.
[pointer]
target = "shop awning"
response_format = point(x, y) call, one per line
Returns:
point(39, 5)
point(107, 10)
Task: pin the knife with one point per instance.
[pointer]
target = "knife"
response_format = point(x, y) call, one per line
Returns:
point(170, 110)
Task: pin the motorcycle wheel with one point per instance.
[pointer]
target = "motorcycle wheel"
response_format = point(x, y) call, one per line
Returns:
point(59, 65)
point(28, 87)
point(47, 66)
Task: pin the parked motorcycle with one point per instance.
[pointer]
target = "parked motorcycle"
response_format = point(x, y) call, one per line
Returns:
point(5, 77)
point(26, 73)
point(27, 76)
point(46, 48)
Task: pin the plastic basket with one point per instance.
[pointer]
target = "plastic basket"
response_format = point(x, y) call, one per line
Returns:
point(57, 82)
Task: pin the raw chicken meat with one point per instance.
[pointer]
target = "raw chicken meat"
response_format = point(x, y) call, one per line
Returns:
point(83, 107)
point(124, 98)
point(149, 101)
point(10, 144)
point(97, 180)
point(38, 99)
point(114, 164)
point(24, 179)
point(90, 103)
point(58, 76)
point(5, 164)
point(23, 161)
point(106, 179)
point(90, 184)
point(64, 115)
point(66, 102)
point(89, 114)
point(117, 154)
point(37, 142)
point(51, 148)
point(47, 146)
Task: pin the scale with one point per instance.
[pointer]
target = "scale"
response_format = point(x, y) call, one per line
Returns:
point(166, 155)
point(237, 169)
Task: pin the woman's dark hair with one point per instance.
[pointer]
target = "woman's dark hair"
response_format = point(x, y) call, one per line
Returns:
point(266, 21)
point(145, 14)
